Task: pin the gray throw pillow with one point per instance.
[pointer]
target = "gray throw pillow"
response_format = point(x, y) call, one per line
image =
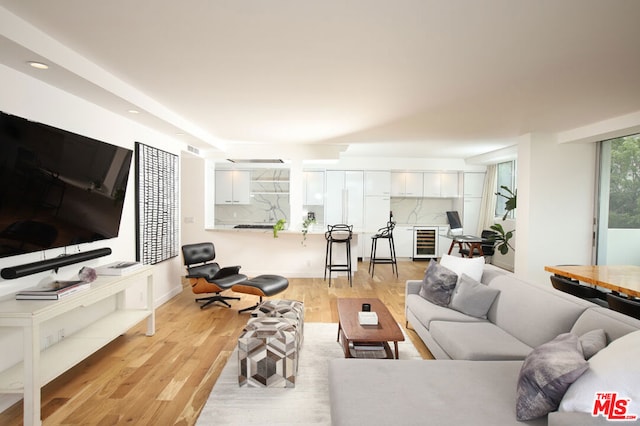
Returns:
point(546, 374)
point(592, 342)
point(438, 284)
point(473, 298)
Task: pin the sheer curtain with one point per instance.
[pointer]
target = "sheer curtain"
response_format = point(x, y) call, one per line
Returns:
point(488, 203)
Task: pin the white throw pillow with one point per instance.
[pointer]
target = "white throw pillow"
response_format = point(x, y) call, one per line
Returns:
point(472, 267)
point(613, 369)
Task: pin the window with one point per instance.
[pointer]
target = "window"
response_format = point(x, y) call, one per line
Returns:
point(505, 176)
point(624, 184)
point(618, 224)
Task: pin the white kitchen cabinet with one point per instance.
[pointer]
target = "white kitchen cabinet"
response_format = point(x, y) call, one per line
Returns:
point(471, 215)
point(473, 184)
point(473, 188)
point(377, 183)
point(376, 212)
point(441, 185)
point(344, 200)
point(449, 185)
point(406, 184)
point(233, 187)
point(444, 242)
point(403, 239)
point(313, 189)
point(431, 184)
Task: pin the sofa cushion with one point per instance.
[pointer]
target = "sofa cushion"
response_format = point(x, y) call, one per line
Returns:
point(613, 369)
point(613, 323)
point(490, 272)
point(477, 341)
point(421, 392)
point(438, 284)
point(531, 313)
point(473, 267)
point(546, 374)
point(592, 342)
point(472, 298)
point(427, 312)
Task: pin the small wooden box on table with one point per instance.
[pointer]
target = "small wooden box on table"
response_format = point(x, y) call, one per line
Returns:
point(352, 334)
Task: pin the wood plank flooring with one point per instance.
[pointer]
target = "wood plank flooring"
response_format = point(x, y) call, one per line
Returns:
point(166, 379)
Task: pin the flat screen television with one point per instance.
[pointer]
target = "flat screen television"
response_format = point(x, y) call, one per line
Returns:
point(57, 188)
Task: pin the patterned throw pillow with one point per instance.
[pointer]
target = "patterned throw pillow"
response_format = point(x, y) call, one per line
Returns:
point(546, 374)
point(438, 284)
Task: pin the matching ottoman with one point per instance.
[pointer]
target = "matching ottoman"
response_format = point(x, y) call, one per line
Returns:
point(268, 347)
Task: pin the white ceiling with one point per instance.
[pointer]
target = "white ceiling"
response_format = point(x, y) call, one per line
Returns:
point(442, 78)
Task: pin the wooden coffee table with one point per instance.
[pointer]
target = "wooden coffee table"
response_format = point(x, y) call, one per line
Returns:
point(350, 330)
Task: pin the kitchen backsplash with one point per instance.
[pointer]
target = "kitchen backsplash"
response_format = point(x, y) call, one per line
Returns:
point(263, 208)
point(269, 208)
point(421, 211)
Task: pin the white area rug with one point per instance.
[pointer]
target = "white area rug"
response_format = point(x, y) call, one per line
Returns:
point(307, 403)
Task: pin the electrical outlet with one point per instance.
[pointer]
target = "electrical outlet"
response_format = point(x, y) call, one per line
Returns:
point(61, 334)
point(48, 341)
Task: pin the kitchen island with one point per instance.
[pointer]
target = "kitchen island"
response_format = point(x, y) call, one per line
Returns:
point(289, 255)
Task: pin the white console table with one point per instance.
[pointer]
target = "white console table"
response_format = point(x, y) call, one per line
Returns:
point(42, 366)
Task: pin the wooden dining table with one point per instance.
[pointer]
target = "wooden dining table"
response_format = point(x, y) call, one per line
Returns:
point(623, 279)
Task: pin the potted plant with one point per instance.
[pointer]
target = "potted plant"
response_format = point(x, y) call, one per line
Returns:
point(279, 226)
point(305, 227)
point(501, 237)
point(511, 199)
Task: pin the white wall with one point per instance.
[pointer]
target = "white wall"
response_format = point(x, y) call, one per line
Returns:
point(555, 205)
point(34, 100)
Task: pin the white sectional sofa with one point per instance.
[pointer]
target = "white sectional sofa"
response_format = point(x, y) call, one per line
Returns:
point(475, 377)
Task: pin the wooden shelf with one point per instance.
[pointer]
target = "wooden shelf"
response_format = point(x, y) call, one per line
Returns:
point(58, 358)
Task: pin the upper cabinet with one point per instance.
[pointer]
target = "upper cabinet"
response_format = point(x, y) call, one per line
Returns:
point(449, 185)
point(233, 187)
point(473, 184)
point(377, 183)
point(441, 184)
point(406, 184)
point(313, 188)
point(344, 202)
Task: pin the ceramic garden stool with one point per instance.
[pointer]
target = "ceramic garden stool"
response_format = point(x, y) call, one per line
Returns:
point(268, 353)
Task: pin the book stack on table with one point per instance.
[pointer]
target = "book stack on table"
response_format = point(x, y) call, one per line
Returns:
point(54, 291)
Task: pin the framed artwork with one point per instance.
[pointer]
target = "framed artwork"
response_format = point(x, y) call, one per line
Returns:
point(157, 176)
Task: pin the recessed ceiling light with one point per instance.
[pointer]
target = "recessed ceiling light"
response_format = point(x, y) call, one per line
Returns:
point(134, 111)
point(38, 65)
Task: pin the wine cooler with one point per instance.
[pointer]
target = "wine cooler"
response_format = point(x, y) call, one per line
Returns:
point(425, 242)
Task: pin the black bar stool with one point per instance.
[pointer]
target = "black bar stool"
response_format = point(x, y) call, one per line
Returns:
point(338, 234)
point(385, 233)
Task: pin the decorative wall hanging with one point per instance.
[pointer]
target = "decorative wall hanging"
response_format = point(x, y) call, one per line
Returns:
point(156, 204)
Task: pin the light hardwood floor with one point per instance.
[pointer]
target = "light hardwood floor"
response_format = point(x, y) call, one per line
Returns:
point(165, 379)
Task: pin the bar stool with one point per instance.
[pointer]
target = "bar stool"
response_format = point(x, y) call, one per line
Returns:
point(338, 234)
point(384, 233)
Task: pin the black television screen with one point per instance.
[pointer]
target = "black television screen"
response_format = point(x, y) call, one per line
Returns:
point(57, 188)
